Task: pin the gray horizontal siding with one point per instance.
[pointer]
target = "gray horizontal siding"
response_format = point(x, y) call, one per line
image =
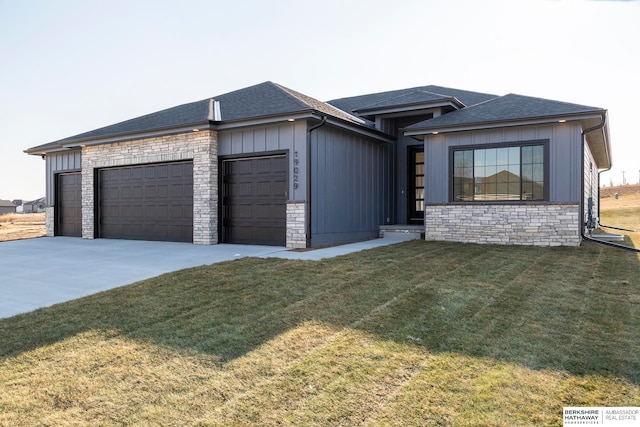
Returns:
point(60, 162)
point(591, 184)
point(564, 158)
point(351, 186)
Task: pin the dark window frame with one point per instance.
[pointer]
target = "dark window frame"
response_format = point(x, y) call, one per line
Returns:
point(543, 142)
point(412, 211)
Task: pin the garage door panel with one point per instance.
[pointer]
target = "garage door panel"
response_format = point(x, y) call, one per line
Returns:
point(254, 200)
point(147, 202)
point(68, 221)
point(162, 191)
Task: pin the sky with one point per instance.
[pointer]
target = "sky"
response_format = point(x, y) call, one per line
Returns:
point(70, 66)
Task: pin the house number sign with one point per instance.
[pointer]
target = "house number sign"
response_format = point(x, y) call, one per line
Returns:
point(295, 170)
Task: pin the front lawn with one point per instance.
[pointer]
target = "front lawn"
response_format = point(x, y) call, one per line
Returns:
point(419, 333)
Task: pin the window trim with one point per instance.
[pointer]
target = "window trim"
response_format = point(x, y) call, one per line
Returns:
point(510, 144)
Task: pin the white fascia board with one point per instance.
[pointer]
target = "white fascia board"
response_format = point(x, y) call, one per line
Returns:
point(44, 152)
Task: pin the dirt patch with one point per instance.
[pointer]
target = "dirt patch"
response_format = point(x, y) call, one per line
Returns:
point(25, 226)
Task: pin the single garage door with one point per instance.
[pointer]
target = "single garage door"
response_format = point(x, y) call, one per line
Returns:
point(254, 200)
point(146, 202)
point(68, 211)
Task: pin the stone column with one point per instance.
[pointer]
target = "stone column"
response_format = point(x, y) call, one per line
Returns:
point(296, 233)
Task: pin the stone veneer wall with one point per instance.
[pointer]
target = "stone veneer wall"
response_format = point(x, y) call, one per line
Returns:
point(201, 147)
point(530, 224)
point(296, 236)
point(49, 221)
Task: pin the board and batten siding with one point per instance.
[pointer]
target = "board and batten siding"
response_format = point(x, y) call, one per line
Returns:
point(564, 157)
point(65, 161)
point(351, 186)
point(289, 137)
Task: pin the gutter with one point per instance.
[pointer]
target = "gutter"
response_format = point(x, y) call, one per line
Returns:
point(584, 237)
point(308, 210)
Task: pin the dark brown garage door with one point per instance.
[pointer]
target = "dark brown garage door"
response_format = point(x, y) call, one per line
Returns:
point(146, 202)
point(68, 210)
point(254, 200)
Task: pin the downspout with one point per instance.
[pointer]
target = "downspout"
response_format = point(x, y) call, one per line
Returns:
point(582, 151)
point(582, 225)
point(308, 210)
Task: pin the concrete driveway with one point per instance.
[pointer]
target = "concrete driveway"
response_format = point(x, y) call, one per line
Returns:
point(37, 273)
point(41, 272)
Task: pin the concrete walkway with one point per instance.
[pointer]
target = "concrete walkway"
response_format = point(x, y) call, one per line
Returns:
point(37, 273)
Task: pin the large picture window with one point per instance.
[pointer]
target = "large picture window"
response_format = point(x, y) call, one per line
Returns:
point(513, 172)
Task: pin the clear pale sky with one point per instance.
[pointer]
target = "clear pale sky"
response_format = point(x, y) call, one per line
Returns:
point(70, 66)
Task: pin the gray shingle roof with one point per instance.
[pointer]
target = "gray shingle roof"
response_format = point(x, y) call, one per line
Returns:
point(261, 100)
point(186, 114)
point(320, 106)
point(414, 97)
point(270, 99)
point(360, 102)
point(505, 108)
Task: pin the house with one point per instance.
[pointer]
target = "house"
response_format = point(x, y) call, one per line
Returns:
point(34, 206)
point(7, 207)
point(269, 165)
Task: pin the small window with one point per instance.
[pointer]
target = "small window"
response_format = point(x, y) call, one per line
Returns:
point(506, 173)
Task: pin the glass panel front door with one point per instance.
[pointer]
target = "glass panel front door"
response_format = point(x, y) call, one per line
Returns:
point(416, 185)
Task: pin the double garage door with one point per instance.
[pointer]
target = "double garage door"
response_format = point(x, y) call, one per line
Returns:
point(146, 202)
point(155, 202)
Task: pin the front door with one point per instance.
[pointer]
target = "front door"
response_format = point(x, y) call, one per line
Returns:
point(416, 185)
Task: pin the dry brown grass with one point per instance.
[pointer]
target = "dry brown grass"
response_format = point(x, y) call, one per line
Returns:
point(623, 212)
point(415, 334)
point(21, 226)
point(622, 190)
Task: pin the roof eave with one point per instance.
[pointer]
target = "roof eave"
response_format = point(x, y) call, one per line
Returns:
point(42, 151)
point(274, 118)
point(501, 123)
point(416, 106)
point(361, 129)
point(599, 141)
point(66, 144)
